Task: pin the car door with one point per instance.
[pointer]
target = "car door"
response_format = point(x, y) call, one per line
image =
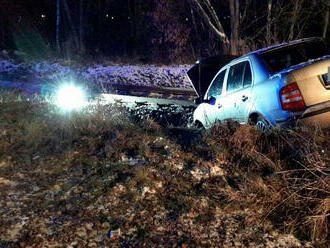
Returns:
point(237, 99)
point(244, 95)
point(213, 111)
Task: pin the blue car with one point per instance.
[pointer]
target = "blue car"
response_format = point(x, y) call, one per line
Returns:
point(275, 86)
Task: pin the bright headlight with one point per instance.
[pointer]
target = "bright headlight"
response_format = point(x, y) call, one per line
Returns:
point(70, 97)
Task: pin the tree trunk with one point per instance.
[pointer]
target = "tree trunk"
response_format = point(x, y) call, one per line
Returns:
point(72, 26)
point(234, 21)
point(58, 18)
point(81, 27)
point(269, 24)
point(296, 10)
point(100, 8)
point(326, 23)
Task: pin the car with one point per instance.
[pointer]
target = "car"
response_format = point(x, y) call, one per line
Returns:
point(275, 86)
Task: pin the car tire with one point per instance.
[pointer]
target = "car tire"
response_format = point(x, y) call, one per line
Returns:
point(262, 125)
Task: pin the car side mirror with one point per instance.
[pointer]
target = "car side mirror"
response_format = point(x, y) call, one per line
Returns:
point(211, 100)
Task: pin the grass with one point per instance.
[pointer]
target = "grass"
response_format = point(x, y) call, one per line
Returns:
point(229, 186)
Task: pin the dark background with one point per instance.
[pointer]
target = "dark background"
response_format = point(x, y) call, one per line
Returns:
point(155, 31)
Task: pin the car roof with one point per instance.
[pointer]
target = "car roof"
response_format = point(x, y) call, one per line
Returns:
point(277, 46)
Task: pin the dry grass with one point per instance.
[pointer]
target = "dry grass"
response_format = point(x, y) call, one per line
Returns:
point(229, 186)
point(286, 175)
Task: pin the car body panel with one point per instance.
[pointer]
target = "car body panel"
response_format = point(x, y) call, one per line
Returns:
point(241, 99)
point(204, 114)
point(310, 82)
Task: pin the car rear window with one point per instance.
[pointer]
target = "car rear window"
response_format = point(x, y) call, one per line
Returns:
point(282, 58)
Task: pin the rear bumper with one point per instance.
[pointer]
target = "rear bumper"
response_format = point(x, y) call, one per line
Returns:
point(317, 109)
point(318, 114)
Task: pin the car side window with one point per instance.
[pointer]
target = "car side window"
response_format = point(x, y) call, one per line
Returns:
point(247, 81)
point(239, 76)
point(216, 87)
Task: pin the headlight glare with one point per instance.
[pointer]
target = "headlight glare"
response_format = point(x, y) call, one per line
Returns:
point(70, 97)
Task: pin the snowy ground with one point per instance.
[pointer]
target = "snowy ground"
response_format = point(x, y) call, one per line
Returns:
point(145, 75)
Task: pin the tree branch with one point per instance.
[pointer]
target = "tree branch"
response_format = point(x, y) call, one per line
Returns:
point(219, 32)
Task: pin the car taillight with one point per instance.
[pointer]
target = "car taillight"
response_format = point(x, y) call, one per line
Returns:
point(291, 98)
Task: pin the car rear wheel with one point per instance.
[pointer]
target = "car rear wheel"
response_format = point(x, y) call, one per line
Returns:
point(262, 125)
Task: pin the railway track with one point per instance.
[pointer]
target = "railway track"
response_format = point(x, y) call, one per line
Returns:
point(143, 96)
point(167, 106)
point(152, 92)
point(117, 93)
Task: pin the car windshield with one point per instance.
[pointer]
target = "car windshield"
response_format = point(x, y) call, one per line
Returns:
point(282, 58)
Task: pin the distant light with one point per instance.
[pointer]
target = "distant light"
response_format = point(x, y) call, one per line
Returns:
point(187, 19)
point(128, 17)
point(70, 97)
point(112, 17)
point(107, 16)
point(43, 16)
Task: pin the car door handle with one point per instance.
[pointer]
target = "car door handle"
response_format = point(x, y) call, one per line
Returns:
point(244, 98)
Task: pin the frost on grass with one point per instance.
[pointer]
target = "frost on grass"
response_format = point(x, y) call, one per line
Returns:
point(141, 75)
